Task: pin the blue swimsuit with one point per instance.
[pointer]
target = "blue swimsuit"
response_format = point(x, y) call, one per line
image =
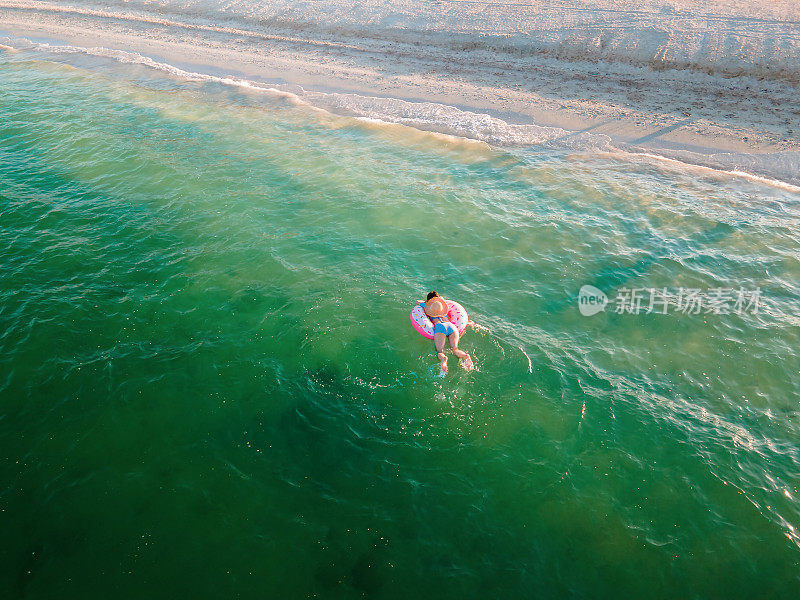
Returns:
point(440, 326)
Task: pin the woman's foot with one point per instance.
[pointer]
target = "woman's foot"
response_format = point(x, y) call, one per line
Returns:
point(467, 361)
point(443, 365)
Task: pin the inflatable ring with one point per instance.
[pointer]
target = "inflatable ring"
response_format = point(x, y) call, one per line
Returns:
point(423, 326)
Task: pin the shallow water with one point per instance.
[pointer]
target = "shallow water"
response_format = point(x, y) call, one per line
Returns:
point(210, 386)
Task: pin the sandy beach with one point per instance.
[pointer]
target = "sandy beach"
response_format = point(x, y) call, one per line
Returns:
point(489, 82)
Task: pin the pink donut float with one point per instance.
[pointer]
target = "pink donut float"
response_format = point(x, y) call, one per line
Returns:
point(423, 326)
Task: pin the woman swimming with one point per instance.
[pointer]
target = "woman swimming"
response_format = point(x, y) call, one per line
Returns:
point(443, 330)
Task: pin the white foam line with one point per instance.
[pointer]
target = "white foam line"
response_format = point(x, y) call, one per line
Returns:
point(732, 173)
point(766, 180)
point(136, 58)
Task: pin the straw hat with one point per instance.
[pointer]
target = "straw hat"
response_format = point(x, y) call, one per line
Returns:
point(436, 307)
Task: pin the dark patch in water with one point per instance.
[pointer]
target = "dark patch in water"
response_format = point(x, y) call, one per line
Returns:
point(355, 561)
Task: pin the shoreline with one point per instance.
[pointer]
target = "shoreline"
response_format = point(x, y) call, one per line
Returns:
point(577, 104)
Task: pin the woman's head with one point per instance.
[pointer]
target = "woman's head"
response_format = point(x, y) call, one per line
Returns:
point(435, 305)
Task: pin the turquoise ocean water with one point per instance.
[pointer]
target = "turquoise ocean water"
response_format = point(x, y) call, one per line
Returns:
point(210, 388)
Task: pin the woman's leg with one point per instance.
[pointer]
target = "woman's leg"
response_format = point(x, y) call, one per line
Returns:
point(438, 340)
point(454, 337)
